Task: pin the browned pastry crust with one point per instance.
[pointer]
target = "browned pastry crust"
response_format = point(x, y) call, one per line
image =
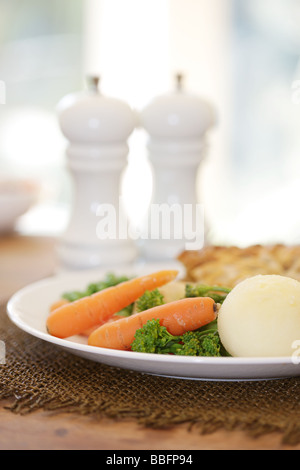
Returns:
point(227, 266)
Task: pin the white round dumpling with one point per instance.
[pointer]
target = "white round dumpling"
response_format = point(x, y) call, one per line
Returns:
point(261, 317)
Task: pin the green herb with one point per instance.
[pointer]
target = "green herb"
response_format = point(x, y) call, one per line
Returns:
point(126, 312)
point(218, 294)
point(109, 281)
point(154, 338)
point(149, 299)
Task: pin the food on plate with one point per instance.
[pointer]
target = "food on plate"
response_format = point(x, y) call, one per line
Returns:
point(174, 290)
point(177, 317)
point(155, 339)
point(86, 312)
point(110, 280)
point(229, 265)
point(218, 293)
point(150, 299)
point(256, 316)
point(57, 304)
point(260, 317)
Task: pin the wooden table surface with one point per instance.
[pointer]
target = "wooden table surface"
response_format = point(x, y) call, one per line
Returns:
point(26, 259)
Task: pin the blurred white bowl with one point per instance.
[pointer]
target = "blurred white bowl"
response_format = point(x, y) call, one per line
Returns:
point(16, 198)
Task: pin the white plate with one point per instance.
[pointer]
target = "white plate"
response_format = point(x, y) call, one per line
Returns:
point(28, 309)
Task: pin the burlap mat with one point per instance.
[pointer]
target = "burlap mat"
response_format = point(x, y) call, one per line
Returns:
point(38, 375)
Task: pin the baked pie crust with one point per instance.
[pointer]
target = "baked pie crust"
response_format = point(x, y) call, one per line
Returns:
point(227, 266)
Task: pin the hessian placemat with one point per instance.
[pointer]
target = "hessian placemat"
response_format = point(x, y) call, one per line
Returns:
point(39, 375)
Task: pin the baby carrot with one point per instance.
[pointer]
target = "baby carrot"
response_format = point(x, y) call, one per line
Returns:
point(178, 317)
point(58, 304)
point(93, 328)
point(76, 317)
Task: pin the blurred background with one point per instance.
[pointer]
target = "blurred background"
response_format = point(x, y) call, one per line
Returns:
point(241, 55)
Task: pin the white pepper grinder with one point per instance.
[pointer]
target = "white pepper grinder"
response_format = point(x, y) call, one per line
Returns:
point(97, 129)
point(177, 124)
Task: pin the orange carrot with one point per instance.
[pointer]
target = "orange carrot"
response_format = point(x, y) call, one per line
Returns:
point(96, 309)
point(93, 328)
point(58, 304)
point(178, 317)
point(87, 332)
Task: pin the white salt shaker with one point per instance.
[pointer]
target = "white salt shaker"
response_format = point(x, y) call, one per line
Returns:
point(97, 128)
point(177, 124)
